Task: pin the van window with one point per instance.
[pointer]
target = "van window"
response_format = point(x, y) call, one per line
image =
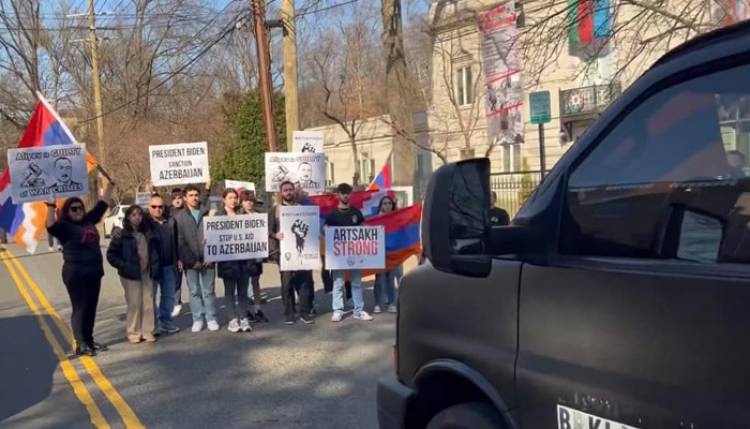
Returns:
point(671, 179)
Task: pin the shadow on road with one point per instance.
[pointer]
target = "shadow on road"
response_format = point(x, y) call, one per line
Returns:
point(27, 365)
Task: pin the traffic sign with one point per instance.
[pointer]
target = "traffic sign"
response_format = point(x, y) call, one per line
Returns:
point(540, 107)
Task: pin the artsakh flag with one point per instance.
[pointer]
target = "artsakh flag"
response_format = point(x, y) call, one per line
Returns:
point(588, 21)
point(26, 222)
point(383, 180)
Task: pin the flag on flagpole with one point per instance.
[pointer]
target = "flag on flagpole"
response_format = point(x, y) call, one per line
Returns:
point(588, 21)
point(383, 180)
point(26, 222)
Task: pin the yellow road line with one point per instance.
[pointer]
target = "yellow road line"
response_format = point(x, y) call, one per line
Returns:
point(68, 370)
point(126, 413)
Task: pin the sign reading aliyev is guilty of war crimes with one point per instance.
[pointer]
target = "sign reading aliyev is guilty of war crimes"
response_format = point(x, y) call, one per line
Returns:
point(175, 164)
point(232, 238)
point(40, 172)
point(306, 170)
point(355, 247)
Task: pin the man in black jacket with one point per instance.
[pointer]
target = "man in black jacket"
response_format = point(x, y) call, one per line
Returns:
point(200, 274)
point(166, 230)
point(498, 216)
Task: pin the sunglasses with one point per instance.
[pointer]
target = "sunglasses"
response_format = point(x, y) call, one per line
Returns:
point(76, 209)
point(157, 207)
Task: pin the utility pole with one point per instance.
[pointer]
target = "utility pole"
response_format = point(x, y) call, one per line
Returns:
point(97, 83)
point(264, 69)
point(291, 108)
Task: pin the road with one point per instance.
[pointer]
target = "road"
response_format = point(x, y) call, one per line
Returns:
point(302, 376)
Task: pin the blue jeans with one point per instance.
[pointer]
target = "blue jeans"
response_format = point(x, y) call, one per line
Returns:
point(385, 284)
point(202, 296)
point(338, 290)
point(166, 299)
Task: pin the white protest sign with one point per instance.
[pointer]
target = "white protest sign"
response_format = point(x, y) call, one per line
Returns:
point(142, 198)
point(39, 172)
point(300, 247)
point(237, 184)
point(182, 163)
point(306, 170)
point(308, 142)
point(355, 247)
point(232, 238)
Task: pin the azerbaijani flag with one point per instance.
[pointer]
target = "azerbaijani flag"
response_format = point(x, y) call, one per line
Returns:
point(737, 10)
point(26, 222)
point(588, 20)
point(383, 179)
point(401, 235)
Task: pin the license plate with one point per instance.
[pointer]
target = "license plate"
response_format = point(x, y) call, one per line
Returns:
point(570, 418)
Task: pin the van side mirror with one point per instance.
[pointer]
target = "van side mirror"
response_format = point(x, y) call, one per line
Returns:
point(455, 218)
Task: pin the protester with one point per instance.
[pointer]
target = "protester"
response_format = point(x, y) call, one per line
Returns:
point(254, 266)
point(498, 216)
point(385, 290)
point(346, 215)
point(166, 231)
point(178, 203)
point(291, 281)
point(200, 274)
point(235, 274)
point(135, 254)
point(83, 268)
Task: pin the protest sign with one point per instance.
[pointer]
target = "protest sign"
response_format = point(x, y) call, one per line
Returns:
point(142, 199)
point(355, 247)
point(306, 170)
point(40, 172)
point(238, 185)
point(300, 247)
point(175, 164)
point(232, 238)
point(308, 142)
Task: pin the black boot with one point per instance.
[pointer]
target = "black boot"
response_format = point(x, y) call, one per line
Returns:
point(84, 350)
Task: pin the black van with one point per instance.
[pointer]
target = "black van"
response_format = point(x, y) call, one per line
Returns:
point(619, 297)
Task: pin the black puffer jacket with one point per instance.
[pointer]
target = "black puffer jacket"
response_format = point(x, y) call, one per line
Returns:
point(230, 269)
point(123, 255)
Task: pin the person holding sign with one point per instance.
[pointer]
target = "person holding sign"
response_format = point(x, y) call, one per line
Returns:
point(291, 281)
point(83, 265)
point(235, 274)
point(255, 266)
point(135, 252)
point(346, 215)
point(200, 274)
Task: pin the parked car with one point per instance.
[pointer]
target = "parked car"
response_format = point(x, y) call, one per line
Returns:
point(114, 219)
point(618, 296)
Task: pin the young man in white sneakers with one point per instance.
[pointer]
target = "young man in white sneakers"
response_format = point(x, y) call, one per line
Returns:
point(346, 215)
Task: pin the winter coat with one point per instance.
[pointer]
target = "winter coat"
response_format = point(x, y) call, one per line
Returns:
point(190, 234)
point(123, 255)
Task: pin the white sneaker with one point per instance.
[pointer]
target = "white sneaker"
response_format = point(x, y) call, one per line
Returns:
point(213, 325)
point(233, 326)
point(176, 310)
point(377, 309)
point(337, 316)
point(362, 315)
point(392, 309)
point(197, 326)
point(245, 325)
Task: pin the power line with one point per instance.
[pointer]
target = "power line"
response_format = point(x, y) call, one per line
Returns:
point(327, 8)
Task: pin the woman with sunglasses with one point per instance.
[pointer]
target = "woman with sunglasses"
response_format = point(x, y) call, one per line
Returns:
point(136, 255)
point(385, 290)
point(83, 269)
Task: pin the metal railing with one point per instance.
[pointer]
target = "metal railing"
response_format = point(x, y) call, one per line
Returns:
point(587, 99)
point(513, 189)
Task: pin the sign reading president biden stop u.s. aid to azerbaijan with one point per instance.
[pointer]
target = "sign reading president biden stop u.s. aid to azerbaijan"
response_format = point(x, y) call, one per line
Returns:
point(176, 164)
point(355, 247)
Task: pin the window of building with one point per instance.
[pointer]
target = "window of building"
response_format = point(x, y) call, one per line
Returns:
point(512, 158)
point(330, 175)
point(464, 86)
point(664, 183)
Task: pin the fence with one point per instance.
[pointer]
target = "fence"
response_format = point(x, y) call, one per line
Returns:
point(513, 189)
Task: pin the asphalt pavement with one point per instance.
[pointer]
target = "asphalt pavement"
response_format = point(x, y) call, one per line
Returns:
point(278, 376)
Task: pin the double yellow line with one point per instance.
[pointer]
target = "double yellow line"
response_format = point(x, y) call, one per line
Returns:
point(69, 371)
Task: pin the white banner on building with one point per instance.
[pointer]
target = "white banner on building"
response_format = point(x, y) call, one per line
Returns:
point(501, 62)
point(300, 247)
point(182, 163)
point(239, 185)
point(233, 238)
point(306, 170)
point(308, 142)
point(40, 172)
point(355, 247)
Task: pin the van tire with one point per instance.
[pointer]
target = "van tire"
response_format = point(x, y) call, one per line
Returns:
point(469, 415)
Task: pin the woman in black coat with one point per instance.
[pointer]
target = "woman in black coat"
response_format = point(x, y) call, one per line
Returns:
point(83, 269)
point(135, 254)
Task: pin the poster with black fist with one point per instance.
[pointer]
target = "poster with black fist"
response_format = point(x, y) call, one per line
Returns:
point(300, 246)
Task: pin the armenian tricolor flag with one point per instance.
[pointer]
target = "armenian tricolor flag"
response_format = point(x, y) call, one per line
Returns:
point(25, 222)
point(401, 235)
point(588, 21)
